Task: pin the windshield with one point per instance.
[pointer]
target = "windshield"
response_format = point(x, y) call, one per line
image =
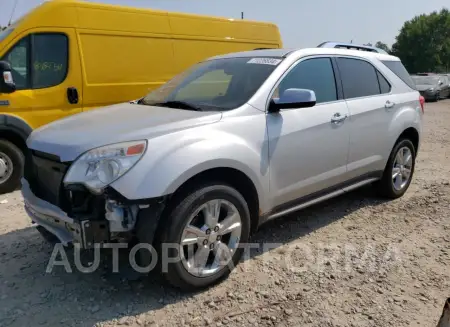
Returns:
point(220, 84)
point(425, 80)
point(5, 33)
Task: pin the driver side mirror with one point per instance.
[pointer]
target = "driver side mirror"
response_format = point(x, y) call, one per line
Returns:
point(293, 99)
point(441, 83)
point(6, 80)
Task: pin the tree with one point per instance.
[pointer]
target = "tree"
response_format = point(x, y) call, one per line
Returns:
point(383, 46)
point(423, 43)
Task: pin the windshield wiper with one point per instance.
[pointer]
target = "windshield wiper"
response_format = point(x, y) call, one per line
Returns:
point(178, 105)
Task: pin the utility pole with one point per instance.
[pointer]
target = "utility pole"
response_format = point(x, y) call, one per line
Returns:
point(12, 13)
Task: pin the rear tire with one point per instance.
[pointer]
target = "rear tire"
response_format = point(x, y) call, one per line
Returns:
point(394, 187)
point(11, 166)
point(230, 204)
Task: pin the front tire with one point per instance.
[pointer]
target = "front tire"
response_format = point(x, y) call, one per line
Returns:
point(11, 166)
point(207, 226)
point(399, 170)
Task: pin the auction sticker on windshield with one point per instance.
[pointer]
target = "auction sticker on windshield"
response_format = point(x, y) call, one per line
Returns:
point(264, 61)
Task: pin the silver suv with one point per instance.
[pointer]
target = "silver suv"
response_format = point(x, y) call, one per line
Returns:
point(233, 142)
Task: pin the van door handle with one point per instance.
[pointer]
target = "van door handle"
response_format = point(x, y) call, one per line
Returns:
point(389, 104)
point(337, 118)
point(72, 95)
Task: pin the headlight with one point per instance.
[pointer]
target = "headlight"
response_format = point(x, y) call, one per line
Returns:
point(100, 167)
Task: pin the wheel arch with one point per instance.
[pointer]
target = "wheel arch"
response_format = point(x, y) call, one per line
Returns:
point(15, 130)
point(230, 176)
point(411, 134)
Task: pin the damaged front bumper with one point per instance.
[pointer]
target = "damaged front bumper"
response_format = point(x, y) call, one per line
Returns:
point(66, 229)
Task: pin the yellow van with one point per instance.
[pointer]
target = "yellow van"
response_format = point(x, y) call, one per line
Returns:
point(68, 56)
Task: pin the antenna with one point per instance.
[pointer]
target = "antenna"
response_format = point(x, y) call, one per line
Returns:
point(13, 11)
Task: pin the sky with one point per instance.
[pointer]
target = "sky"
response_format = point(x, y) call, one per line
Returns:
point(302, 23)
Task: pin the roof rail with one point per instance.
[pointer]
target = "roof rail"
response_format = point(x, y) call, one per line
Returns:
point(350, 46)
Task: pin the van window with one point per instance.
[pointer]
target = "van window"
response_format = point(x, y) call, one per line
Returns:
point(359, 78)
point(39, 61)
point(18, 58)
point(312, 74)
point(50, 57)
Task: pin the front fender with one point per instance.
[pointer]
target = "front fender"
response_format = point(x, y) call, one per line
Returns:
point(172, 160)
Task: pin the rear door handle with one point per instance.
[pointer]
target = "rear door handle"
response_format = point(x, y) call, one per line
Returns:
point(389, 104)
point(338, 118)
point(72, 95)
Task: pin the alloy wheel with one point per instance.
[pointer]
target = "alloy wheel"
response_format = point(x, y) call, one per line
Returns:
point(401, 170)
point(210, 238)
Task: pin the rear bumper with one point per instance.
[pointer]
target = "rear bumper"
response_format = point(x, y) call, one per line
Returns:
point(52, 218)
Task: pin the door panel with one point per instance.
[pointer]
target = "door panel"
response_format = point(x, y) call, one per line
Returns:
point(307, 150)
point(51, 67)
point(371, 106)
point(369, 134)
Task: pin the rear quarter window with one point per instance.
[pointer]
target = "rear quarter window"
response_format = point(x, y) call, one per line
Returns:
point(398, 69)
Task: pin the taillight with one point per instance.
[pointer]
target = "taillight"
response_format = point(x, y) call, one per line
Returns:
point(422, 103)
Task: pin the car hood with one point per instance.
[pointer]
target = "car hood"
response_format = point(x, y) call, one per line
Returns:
point(70, 137)
point(424, 87)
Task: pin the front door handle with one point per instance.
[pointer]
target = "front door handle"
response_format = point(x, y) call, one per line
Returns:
point(72, 95)
point(338, 118)
point(389, 104)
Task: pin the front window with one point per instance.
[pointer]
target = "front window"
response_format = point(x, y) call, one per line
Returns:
point(312, 74)
point(18, 58)
point(219, 84)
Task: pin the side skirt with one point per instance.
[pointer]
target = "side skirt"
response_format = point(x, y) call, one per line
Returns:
point(309, 200)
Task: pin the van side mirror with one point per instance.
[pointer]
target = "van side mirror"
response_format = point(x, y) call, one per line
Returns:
point(6, 80)
point(293, 99)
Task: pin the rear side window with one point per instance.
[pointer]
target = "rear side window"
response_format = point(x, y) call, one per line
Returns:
point(385, 87)
point(359, 78)
point(398, 69)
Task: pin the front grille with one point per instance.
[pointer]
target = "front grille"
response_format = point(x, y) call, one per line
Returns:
point(45, 173)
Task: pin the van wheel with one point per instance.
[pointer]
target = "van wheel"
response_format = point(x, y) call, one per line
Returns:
point(203, 233)
point(11, 166)
point(399, 170)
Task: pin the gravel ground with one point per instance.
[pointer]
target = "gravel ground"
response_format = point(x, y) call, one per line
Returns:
point(353, 261)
